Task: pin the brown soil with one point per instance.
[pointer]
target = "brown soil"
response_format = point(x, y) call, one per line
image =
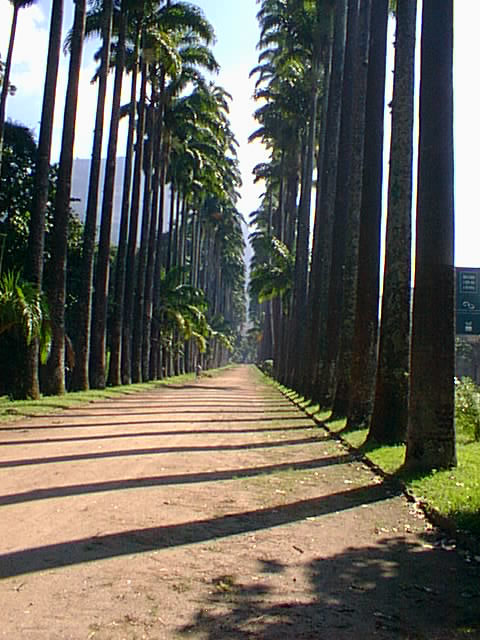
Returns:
point(214, 510)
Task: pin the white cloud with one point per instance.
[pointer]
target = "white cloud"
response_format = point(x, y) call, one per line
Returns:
point(240, 86)
point(28, 65)
point(467, 132)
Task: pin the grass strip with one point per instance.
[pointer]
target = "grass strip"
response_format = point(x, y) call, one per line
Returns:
point(11, 410)
point(453, 494)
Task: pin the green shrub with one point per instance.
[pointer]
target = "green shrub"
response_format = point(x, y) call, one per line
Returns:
point(467, 408)
point(267, 367)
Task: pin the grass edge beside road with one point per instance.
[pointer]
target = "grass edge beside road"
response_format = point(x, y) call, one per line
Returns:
point(450, 498)
point(13, 410)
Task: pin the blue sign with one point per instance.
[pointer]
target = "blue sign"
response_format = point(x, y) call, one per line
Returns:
point(468, 301)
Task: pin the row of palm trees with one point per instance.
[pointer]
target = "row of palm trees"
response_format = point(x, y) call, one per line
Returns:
point(146, 305)
point(321, 89)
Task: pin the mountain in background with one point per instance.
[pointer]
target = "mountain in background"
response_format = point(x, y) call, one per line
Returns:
point(80, 176)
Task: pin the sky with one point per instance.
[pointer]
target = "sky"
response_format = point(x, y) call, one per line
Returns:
point(235, 49)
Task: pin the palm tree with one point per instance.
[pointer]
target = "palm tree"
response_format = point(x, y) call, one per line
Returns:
point(390, 410)
point(325, 201)
point(23, 318)
point(127, 328)
point(155, 363)
point(342, 392)
point(57, 293)
point(317, 40)
point(82, 342)
point(261, 241)
point(21, 306)
point(179, 33)
point(209, 242)
point(328, 376)
point(364, 348)
point(273, 277)
point(142, 257)
point(36, 239)
point(99, 312)
point(193, 56)
point(114, 371)
point(180, 313)
point(431, 428)
point(17, 5)
point(282, 84)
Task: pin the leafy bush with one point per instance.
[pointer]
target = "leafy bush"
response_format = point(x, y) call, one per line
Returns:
point(267, 367)
point(467, 407)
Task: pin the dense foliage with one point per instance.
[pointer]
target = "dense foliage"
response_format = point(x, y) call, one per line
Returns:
point(119, 310)
point(316, 278)
point(467, 408)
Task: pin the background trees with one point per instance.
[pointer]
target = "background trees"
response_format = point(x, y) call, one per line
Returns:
point(342, 312)
point(186, 276)
point(320, 92)
point(17, 194)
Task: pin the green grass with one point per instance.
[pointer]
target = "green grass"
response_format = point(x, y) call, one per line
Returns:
point(15, 409)
point(454, 493)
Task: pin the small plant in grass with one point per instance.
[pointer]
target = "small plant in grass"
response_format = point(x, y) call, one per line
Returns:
point(467, 408)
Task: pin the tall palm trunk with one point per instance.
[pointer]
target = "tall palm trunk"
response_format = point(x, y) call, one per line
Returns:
point(180, 230)
point(130, 283)
point(323, 229)
point(114, 371)
point(194, 247)
point(84, 307)
point(277, 306)
point(183, 234)
point(171, 223)
point(99, 314)
point(155, 360)
point(292, 180)
point(431, 427)
point(311, 338)
point(139, 306)
point(176, 230)
point(58, 264)
point(180, 367)
point(342, 199)
point(364, 351)
point(300, 285)
point(153, 246)
point(36, 238)
point(342, 392)
point(390, 410)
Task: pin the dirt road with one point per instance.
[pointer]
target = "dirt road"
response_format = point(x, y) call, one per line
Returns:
point(213, 510)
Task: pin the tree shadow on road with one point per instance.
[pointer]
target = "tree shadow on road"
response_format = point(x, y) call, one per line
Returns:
point(123, 453)
point(396, 589)
point(100, 547)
